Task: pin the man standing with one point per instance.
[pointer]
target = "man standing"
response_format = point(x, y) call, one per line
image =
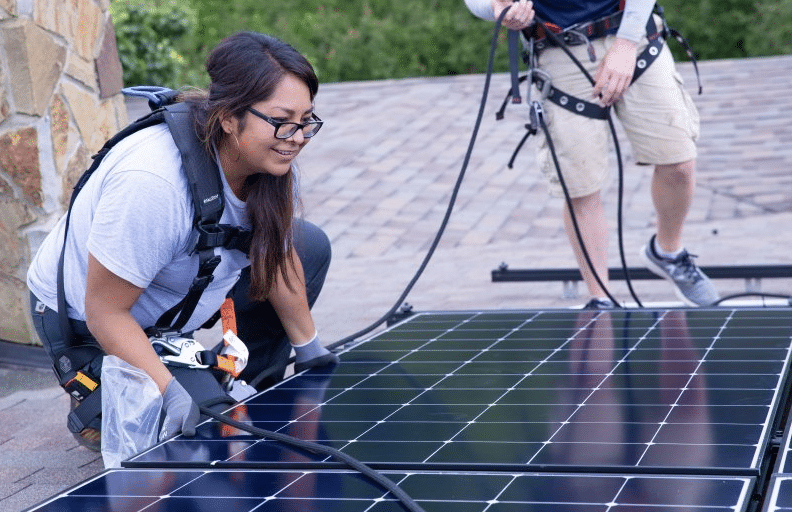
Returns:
point(656, 112)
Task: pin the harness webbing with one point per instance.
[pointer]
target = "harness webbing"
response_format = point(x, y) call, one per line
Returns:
point(203, 176)
point(656, 37)
point(577, 105)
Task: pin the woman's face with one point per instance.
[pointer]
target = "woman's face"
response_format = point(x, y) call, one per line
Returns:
point(259, 150)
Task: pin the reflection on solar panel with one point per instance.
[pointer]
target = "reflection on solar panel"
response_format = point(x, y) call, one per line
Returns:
point(307, 491)
point(498, 411)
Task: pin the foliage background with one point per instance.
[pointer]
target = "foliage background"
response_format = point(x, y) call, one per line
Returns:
point(165, 42)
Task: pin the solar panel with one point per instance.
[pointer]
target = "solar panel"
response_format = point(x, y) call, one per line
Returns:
point(625, 410)
point(340, 491)
point(630, 391)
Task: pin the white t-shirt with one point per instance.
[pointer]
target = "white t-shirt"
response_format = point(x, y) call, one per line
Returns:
point(134, 215)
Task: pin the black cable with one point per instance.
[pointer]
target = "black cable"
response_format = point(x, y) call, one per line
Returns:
point(572, 217)
point(449, 209)
point(560, 43)
point(389, 485)
point(753, 294)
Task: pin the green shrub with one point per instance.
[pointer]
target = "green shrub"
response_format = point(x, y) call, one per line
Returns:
point(149, 34)
point(360, 39)
point(165, 42)
point(718, 29)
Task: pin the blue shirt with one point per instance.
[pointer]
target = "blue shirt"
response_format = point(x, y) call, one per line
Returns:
point(566, 13)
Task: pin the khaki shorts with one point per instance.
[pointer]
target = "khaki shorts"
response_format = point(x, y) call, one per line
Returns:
point(658, 116)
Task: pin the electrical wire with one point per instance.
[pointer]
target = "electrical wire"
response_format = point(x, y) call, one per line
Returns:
point(753, 294)
point(389, 485)
point(452, 201)
point(560, 43)
point(572, 216)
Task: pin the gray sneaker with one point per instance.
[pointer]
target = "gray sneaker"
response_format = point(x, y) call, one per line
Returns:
point(596, 303)
point(691, 285)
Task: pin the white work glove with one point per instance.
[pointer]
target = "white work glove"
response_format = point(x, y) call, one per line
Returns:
point(181, 412)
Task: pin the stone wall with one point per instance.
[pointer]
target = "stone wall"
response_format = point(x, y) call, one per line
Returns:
point(60, 82)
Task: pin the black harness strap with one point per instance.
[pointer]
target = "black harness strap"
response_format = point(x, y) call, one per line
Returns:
point(538, 38)
point(513, 43)
point(150, 120)
point(206, 187)
point(593, 110)
point(203, 176)
point(587, 108)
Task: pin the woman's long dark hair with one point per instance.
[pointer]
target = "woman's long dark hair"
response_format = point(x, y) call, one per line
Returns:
point(245, 68)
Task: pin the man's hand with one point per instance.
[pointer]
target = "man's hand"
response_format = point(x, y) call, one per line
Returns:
point(520, 15)
point(181, 412)
point(615, 72)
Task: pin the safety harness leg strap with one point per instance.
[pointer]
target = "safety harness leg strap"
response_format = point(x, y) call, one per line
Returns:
point(594, 110)
point(88, 409)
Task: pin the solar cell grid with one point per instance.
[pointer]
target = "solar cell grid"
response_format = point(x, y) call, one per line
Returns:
point(546, 411)
point(632, 390)
point(341, 491)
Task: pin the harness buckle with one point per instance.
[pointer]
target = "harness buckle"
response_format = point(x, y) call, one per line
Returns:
point(175, 350)
point(535, 117)
point(208, 235)
point(543, 80)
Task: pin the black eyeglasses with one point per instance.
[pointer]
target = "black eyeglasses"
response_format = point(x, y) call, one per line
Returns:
point(284, 130)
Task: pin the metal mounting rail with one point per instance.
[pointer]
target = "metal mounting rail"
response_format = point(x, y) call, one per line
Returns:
point(570, 276)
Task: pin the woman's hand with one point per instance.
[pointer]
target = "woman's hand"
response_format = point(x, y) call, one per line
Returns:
point(181, 412)
point(520, 15)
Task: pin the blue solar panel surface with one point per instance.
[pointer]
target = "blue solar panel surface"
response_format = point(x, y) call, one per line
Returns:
point(654, 390)
point(268, 490)
point(653, 410)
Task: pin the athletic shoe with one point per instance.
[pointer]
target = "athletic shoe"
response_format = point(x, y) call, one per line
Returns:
point(691, 285)
point(596, 303)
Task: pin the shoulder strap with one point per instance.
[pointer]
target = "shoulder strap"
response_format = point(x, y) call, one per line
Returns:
point(203, 177)
point(151, 119)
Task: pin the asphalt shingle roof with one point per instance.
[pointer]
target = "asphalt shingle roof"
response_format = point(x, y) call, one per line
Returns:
point(378, 179)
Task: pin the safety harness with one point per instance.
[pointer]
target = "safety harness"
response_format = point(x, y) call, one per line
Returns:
point(535, 39)
point(79, 365)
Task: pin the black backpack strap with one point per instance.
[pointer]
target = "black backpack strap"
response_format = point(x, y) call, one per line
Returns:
point(151, 119)
point(206, 186)
point(203, 176)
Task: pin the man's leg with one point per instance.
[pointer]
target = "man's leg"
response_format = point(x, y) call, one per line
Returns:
point(590, 217)
point(672, 193)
